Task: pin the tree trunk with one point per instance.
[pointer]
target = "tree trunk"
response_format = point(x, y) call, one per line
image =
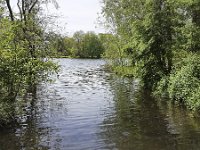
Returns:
point(10, 10)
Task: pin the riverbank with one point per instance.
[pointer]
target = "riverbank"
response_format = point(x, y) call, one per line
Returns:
point(181, 85)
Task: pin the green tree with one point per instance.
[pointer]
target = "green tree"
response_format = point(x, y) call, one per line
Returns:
point(87, 45)
point(23, 56)
point(114, 49)
point(69, 43)
point(58, 45)
point(147, 28)
point(92, 46)
point(162, 37)
point(78, 38)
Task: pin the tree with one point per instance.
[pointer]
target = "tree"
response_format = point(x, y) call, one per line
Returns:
point(22, 52)
point(146, 27)
point(162, 37)
point(195, 14)
point(87, 45)
point(69, 42)
point(113, 48)
point(92, 46)
point(78, 37)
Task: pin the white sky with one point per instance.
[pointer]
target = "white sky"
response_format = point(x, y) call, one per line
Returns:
point(78, 15)
point(75, 15)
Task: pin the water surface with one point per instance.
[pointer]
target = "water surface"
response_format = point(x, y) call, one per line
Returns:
point(86, 108)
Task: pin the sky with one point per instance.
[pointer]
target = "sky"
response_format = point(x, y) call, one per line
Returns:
point(75, 15)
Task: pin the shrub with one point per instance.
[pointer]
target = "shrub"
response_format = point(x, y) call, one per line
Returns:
point(6, 113)
point(193, 101)
point(184, 83)
point(162, 87)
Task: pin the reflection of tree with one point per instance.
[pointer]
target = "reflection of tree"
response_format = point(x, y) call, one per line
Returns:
point(138, 122)
point(181, 123)
point(31, 133)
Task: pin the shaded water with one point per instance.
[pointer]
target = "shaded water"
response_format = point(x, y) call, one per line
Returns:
point(89, 109)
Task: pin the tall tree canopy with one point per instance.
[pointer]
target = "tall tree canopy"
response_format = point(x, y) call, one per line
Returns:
point(159, 36)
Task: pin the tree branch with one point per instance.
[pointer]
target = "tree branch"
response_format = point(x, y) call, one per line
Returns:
point(33, 6)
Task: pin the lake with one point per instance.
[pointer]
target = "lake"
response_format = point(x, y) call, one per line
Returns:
point(87, 108)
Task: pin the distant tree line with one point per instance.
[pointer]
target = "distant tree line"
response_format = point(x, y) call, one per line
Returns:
point(80, 45)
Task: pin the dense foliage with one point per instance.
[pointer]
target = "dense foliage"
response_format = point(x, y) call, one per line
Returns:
point(23, 56)
point(80, 45)
point(160, 40)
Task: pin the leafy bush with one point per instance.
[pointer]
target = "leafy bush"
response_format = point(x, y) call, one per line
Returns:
point(184, 83)
point(6, 113)
point(193, 101)
point(162, 87)
point(124, 71)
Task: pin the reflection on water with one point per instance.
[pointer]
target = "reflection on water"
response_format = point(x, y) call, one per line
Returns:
point(87, 108)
